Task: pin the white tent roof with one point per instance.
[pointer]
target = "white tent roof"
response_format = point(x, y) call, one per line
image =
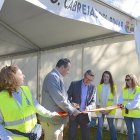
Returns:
point(26, 28)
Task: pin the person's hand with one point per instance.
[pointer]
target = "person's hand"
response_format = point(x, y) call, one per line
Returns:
point(103, 112)
point(76, 113)
point(55, 114)
point(59, 114)
point(107, 112)
point(77, 106)
point(98, 106)
point(85, 111)
point(121, 106)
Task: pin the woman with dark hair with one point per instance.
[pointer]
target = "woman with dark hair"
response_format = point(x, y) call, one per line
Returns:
point(18, 107)
point(106, 96)
point(129, 101)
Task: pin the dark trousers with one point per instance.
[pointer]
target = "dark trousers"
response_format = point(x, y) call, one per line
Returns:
point(83, 121)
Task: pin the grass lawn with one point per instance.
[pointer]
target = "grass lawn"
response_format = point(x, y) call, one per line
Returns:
point(106, 135)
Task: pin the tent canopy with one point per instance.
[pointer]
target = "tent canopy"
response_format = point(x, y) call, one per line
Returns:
point(27, 28)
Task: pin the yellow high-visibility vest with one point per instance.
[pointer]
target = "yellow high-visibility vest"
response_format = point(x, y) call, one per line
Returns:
point(109, 101)
point(16, 116)
point(127, 97)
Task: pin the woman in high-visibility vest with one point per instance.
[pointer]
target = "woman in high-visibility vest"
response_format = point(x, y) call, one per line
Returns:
point(106, 96)
point(129, 101)
point(18, 107)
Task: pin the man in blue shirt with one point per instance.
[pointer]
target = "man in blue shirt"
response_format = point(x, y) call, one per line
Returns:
point(82, 95)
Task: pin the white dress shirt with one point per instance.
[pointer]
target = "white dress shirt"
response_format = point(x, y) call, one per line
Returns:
point(104, 97)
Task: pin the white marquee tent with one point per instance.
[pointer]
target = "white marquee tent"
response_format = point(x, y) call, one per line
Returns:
point(26, 28)
point(35, 26)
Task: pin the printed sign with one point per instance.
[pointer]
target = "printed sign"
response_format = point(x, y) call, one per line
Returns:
point(90, 12)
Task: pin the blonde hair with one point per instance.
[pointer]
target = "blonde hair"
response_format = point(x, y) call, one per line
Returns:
point(134, 80)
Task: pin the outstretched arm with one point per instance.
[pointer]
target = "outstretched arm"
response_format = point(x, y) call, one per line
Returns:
point(43, 111)
point(58, 95)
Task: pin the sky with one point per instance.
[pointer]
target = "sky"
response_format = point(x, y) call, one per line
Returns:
point(131, 7)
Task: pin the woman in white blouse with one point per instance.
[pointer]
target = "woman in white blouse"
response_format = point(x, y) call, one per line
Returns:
point(106, 96)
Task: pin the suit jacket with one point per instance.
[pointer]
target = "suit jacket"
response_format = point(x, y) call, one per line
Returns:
point(74, 95)
point(54, 97)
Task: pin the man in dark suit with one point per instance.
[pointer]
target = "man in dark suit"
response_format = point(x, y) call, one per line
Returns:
point(82, 94)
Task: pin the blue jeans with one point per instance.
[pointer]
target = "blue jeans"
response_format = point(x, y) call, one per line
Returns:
point(113, 133)
point(129, 124)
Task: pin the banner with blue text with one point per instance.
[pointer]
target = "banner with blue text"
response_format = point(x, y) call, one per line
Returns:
point(90, 12)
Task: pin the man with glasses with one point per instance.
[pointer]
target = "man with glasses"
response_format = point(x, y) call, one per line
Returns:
point(82, 95)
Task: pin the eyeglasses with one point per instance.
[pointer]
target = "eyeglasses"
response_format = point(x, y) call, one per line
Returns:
point(127, 80)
